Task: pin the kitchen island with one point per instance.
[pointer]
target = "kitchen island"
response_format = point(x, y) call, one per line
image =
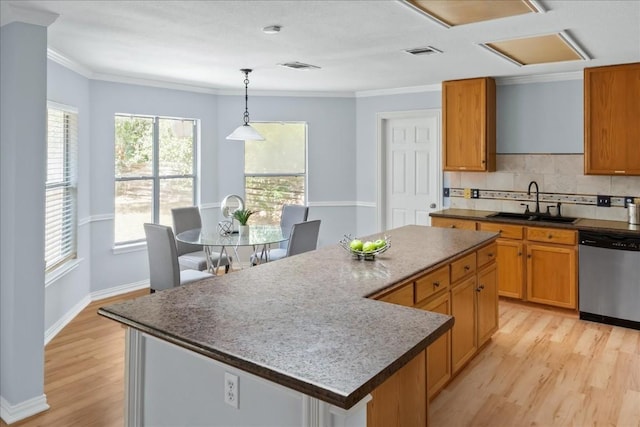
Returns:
point(306, 345)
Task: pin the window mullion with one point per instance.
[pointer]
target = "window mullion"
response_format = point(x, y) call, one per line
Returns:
point(156, 170)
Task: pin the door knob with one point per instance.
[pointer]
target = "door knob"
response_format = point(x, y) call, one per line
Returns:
point(432, 205)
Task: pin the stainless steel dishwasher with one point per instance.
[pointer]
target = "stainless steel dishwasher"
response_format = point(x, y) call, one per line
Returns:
point(610, 278)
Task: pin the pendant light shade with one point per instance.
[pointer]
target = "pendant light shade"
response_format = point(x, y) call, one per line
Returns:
point(245, 131)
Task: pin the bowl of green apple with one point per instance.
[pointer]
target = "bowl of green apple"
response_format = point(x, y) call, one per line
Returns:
point(365, 249)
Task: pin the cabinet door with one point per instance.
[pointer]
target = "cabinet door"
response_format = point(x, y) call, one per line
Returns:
point(468, 115)
point(611, 125)
point(462, 224)
point(510, 268)
point(463, 333)
point(551, 275)
point(400, 296)
point(439, 351)
point(487, 293)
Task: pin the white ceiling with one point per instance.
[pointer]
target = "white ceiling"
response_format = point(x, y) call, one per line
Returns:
point(359, 44)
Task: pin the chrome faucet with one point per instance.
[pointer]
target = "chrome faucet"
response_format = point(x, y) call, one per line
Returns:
point(537, 195)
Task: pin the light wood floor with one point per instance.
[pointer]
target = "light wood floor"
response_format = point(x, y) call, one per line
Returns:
point(542, 368)
point(547, 368)
point(84, 372)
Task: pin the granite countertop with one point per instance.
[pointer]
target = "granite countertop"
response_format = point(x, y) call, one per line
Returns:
point(304, 322)
point(580, 224)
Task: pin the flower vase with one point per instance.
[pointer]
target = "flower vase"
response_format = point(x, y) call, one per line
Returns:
point(243, 230)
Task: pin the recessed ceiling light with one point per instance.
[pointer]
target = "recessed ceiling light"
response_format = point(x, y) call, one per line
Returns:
point(299, 66)
point(272, 29)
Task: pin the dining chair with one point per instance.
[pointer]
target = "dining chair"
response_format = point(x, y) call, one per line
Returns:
point(291, 214)
point(303, 238)
point(193, 256)
point(164, 272)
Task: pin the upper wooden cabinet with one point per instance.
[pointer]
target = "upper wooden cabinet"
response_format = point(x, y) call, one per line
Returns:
point(611, 120)
point(469, 125)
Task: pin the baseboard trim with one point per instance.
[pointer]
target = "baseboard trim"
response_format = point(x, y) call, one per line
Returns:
point(65, 319)
point(12, 413)
point(118, 290)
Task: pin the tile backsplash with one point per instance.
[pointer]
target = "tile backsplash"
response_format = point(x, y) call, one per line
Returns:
point(560, 178)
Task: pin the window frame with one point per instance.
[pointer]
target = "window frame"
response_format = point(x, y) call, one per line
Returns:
point(268, 175)
point(155, 177)
point(68, 224)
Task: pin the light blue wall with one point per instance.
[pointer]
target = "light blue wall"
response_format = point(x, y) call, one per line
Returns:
point(367, 110)
point(331, 155)
point(107, 99)
point(540, 118)
point(23, 84)
point(62, 295)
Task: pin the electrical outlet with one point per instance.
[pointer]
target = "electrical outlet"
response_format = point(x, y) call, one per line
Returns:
point(604, 201)
point(231, 392)
point(445, 192)
point(475, 193)
point(467, 193)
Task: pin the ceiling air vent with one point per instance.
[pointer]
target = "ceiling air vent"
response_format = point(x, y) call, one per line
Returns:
point(427, 50)
point(299, 66)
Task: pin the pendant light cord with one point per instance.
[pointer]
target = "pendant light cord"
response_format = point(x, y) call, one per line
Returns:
point(246, 95)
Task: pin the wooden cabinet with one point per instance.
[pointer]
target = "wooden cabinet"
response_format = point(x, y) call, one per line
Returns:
point(551, 275)
point(511, 279)
point(402, 399)
point(463, 333)
point(439, 352)
point(469, 125)
point(611, 120)
point(487, 294)
point(462, 224)
point(467, 289)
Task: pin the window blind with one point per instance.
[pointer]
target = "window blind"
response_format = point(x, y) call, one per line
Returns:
point(60, 188)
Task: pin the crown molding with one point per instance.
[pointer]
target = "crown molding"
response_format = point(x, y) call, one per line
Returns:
point(399, 91)
point(540, 78)
point(59, 58)
point(12, 13)
point(152, 83)
point(290, 93)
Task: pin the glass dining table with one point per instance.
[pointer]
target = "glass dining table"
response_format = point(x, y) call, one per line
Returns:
point(259, 238)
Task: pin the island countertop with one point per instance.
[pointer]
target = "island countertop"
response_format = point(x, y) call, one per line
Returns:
point(304, 322)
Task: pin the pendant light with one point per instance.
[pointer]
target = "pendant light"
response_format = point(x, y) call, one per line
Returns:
point(245, 131)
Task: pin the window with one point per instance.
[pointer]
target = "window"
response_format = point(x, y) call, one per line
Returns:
point(60, 243)
point(275, 169)
point(155, 161)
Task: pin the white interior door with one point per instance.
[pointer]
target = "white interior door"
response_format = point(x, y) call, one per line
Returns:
point(411, 168)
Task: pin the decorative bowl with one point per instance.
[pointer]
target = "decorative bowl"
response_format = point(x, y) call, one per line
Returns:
point(367, 256)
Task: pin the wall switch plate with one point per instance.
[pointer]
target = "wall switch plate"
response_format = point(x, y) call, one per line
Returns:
point(467, 193)
point(475, 193)
point(445, 192)
point(627, 200)
point(604, 201)
point(231, 392)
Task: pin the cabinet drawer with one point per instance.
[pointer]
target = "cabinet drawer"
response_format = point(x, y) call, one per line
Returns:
point(487, 254)
point(507, 231)
point(463, 267)
point(461, 224)
point(431, 283)
point(402, 296)
point(551, 235)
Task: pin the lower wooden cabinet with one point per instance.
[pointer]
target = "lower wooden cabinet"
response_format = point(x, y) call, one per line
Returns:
point(439, 352)
point(551, 275)
point(467, 289)
point(463, 333)
point(462, 224)
point(487, 295)
point(511, 268)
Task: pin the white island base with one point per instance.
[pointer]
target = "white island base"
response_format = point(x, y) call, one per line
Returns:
point(167, 385)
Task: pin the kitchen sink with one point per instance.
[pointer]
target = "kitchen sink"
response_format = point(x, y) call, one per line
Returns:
point(533, 217)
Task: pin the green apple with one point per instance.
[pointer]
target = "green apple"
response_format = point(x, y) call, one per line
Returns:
point(368, 247)
point(380, 243)
point(356, 245)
